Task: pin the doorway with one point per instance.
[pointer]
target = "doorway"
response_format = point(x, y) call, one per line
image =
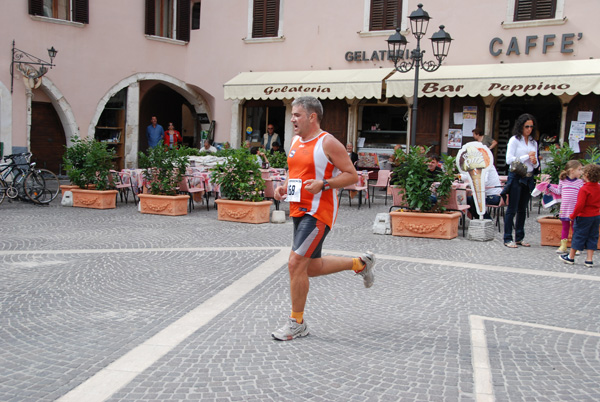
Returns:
point(258, 115)
point(169, 107)
point(546, 110)
point(47, 137)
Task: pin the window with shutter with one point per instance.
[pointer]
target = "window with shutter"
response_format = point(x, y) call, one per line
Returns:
point(526, 10)
point(68, 10)
point(385, 15)
point(265, 18)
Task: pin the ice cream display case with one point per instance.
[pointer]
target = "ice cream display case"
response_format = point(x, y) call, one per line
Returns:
point(378, 158)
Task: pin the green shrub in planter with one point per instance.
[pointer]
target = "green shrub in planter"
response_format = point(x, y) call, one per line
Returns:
point(411, 174)
point(88, 162)
point(164, 168)
point(240, 177)
point(278, 160)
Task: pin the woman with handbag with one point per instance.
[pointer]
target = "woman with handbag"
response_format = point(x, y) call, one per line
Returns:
point(521, 155)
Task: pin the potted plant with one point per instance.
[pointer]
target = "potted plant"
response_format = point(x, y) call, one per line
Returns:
point(278, 160)
point(242, 187)
point(88, 163)
point(164, 168)
point(420, 217)
point(550, 225)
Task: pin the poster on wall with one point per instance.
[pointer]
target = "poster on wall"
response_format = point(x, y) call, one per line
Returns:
point(454, 138)
point(469, 120)
point(590, 130)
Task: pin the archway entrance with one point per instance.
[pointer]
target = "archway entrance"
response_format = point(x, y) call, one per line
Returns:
point(167, 105)
point(546, 110)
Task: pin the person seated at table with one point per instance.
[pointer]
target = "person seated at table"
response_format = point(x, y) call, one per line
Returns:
point(276, 147)
point(433, 169)
point(208, 147)
point(261, 158)
point(353, 155)
point(433, 166)
point(493, 188)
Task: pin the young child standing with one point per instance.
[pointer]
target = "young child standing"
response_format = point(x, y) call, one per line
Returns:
point(586, 216)
point(568, 187)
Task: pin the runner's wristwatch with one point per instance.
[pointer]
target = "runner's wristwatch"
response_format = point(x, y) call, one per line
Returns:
point(326, 186)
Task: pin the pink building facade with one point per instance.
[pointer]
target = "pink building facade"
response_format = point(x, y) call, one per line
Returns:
point(226, 69)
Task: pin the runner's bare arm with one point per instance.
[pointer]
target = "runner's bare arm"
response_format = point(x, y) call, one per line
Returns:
point(337, 154)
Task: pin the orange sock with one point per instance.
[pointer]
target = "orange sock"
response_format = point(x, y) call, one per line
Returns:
point(357, 264)
point(298, 316)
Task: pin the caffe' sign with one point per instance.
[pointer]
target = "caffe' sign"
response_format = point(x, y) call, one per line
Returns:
point(300, 89)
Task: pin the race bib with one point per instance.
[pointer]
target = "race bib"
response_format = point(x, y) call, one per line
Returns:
point(293, 190)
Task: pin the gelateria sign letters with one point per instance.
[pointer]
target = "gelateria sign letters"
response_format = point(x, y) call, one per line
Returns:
point(297, 89)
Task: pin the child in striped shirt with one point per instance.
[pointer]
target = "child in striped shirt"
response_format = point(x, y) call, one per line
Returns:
point(568, 187)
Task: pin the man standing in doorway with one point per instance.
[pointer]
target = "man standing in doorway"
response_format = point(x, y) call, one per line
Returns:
point(318, 164)
point(270, 137)
point(486, 140)
point(154, 133)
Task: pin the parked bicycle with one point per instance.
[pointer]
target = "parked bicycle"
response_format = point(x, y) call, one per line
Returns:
point(19, 178)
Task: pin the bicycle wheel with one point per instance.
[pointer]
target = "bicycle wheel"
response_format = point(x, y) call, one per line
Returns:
point(3, 188)
point(42, 186)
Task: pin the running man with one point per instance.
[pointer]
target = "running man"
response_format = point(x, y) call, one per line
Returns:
point(318, 163)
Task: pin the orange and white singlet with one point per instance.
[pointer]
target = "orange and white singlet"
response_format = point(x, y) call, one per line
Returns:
point(307, 160)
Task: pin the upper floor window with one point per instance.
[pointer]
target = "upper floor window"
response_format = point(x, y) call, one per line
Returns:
point(68, 10)
point(196, 15)
point(527, 10)
point(265, 18)
point(168, 19)
point(385, 15)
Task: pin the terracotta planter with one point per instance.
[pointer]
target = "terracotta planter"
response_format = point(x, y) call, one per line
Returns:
point(424, 224)
point(106, 199)
point(171, 205)
point(244, 211)
point(551, 229)
point(67, 187)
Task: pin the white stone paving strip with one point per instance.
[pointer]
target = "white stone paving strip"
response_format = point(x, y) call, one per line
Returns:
point(482, 372)
point(119, 373)
point(470, 265)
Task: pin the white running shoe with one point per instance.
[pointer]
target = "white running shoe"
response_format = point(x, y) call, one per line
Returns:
point(367, 273)
point(291, 330)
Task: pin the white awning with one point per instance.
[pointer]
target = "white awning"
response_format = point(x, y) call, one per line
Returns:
point(558, 77)
point(323, 84)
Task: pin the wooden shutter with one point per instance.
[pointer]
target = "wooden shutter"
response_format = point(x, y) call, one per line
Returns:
point(265, 18)
point(385, 14)
point(81, 11)
point(183, 20)
point(150, 17)
point(36, 7)
point(526, 10)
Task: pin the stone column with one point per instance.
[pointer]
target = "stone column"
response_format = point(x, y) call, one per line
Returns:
point(132, 123)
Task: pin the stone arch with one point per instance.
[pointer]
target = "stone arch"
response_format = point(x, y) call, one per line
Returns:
point(6, 118)
point(63, 108)
point(190, 94)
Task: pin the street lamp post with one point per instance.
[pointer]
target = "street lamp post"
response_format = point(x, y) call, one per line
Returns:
point(31, 67)
point(440, 41)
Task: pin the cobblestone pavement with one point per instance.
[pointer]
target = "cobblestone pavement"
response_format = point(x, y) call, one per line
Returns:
point(115, 305)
